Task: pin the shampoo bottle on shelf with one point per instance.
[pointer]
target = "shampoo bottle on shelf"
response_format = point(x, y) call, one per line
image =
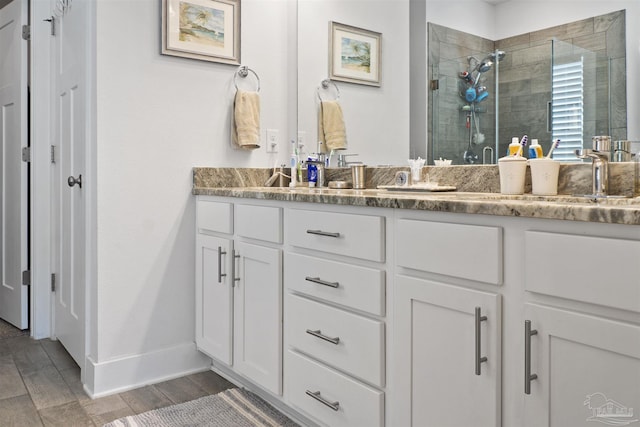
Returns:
point(535, 150)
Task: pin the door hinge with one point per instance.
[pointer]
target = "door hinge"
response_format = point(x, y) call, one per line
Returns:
point(53, 282)
point(26, 32)
point(53, 154)
point(434, 84)
point(26, 277)
point(26, 154)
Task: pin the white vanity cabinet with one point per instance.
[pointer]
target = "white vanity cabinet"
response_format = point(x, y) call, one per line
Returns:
point(214, 297)
point(582, 361)
point(335, 303)
point(359, 316)
point(239, 288)
point(447, 352)
point(580, 368)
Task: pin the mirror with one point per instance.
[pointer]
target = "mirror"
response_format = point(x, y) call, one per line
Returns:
point(566, 82)
point(389, 124)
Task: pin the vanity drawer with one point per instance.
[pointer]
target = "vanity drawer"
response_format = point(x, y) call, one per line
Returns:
point(596, 270)
point(358, 236)
point(259, 222)
point(358, 348)
point(354, 404)
point(214, 216)
point(467, 251)
point(361, 288)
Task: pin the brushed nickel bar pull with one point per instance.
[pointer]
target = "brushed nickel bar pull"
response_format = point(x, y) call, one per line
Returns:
point(235, 279)
point(322, 282)
point(318, 334)
point(323, 233)
point(528, 376)
point(220, 274)
point(479, 358)
point(317, 396)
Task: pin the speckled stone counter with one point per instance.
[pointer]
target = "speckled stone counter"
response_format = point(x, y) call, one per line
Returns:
point(478, 192)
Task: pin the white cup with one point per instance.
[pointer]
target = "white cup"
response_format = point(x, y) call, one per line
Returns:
point(512, 171)
point(544, 176)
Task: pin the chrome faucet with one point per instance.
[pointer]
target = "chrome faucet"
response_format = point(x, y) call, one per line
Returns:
point(342, 161)
point(599, 170)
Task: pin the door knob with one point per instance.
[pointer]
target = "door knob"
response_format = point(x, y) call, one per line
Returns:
point(73, 181)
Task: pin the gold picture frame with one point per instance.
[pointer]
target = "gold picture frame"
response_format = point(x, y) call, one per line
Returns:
point(208, 30)
point(355, 55)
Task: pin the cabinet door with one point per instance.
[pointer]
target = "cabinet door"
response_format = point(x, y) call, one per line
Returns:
point(587, 368)
point(435, 355)
point(258, 315)
point(214, 306)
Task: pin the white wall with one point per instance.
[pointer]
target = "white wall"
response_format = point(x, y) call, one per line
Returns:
point(548, 13)
point(470, 16)
point(376, 118)
point(157, 117)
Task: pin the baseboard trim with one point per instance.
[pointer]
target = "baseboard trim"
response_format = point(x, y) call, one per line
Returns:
point(126, 373)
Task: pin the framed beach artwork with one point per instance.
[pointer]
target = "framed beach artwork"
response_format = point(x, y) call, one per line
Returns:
point(208, 30)
point(354, 54)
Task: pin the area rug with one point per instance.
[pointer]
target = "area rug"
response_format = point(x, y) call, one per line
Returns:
point(7, 330)
point(230, 408)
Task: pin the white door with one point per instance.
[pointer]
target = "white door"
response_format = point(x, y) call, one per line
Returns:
point(436, 361)
point(70, 109)
point(214, 297)
point(587, 368)
point(13, 171)
point(258, 315)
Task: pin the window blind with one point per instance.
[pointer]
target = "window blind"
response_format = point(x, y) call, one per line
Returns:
point(567, 108)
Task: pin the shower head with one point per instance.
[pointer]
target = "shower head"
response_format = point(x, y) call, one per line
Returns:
point(485, 66)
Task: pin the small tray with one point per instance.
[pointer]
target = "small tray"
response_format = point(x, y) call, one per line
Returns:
point(418, 188)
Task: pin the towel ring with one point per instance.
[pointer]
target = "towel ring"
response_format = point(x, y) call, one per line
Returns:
point(243, 72)
point(324, 85)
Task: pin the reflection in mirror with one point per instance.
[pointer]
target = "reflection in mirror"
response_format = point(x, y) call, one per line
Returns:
point(565, 82)
point(376, 118)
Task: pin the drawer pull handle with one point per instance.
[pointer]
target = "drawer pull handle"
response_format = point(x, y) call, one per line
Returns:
point(322, 282)
point(323, 233)
point(317, 396)
point(318, 334)
point(528, 376)
point(479, 358)
point(220, 274)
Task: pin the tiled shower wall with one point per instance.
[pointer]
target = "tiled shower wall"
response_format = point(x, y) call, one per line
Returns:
point(448, 52)
point(525, 84)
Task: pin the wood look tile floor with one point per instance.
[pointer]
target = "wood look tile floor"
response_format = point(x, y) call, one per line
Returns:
point(40, 386)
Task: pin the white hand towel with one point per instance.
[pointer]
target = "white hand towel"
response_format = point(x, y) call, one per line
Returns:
point(246, 113)
point(331, 129)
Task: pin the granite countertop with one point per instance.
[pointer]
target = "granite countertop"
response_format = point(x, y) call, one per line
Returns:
point(247, 183)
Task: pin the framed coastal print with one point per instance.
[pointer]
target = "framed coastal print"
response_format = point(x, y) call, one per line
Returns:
point(208, 30)
point(354, 54)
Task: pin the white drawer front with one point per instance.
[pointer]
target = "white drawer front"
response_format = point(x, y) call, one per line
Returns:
point(259, 222)
point(466, 251)
point(597, 270)
point(214, 216)
point(358, 236)
point(355, 404)
point(358, 346)
point(353, 286)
